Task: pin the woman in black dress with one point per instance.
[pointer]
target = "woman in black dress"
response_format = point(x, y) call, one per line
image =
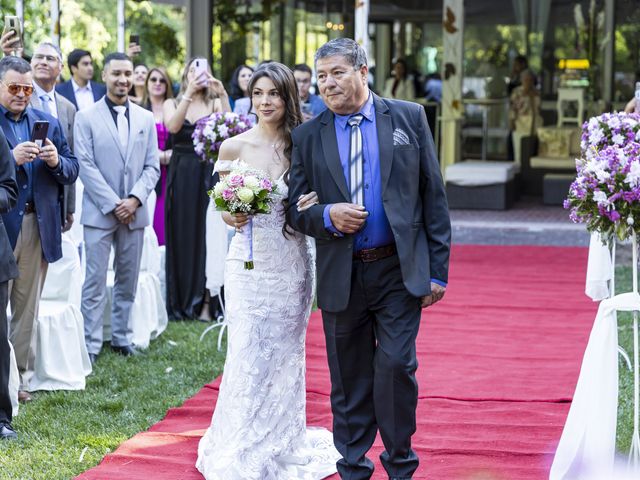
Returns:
point(188, 180)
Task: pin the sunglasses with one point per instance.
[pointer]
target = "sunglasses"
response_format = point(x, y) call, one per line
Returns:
point(157, 80)
point(14, 88)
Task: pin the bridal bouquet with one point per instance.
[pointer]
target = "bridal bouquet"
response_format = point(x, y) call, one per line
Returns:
point(606, 192)
point(211, 131)
point(244, 190)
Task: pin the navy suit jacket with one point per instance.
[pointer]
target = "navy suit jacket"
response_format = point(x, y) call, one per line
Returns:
point(8, 199)
point(413, 196)
point(66, 90)
point(48, 192)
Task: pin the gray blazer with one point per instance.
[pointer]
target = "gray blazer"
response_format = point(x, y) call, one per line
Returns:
point(66, 117)
point(110, 174)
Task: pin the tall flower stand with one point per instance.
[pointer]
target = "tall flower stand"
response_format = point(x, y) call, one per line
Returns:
point(587, 446)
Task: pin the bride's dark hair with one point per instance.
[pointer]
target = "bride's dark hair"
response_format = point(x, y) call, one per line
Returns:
point(285, 83)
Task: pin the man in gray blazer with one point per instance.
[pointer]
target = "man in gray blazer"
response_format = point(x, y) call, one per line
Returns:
point(117, 147)
point(383, 233)
point(47, 65)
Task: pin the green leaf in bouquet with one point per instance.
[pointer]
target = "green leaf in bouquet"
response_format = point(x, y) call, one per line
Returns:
point(220, 204)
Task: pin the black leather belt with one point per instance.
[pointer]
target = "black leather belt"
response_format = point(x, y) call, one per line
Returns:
point(372, 254)
point(29, 207)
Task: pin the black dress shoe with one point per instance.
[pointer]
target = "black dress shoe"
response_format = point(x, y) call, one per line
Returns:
point(93, 358)
point(7, 432)
point(126, 350)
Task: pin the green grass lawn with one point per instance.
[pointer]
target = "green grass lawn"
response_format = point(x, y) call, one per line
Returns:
point(625, 339)
point(123, 397)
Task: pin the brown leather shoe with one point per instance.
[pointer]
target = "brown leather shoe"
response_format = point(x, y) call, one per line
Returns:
point(24, 397)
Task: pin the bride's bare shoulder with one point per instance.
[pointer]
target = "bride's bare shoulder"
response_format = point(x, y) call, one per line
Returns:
point(232, 147)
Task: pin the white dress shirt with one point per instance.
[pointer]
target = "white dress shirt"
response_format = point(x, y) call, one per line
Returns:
point(84, 95)
point(39, 91)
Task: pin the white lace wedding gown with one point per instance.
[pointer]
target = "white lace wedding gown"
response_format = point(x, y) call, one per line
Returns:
point(258, 430)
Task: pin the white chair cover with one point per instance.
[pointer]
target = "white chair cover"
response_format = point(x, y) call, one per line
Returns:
point(151, 256)
point(65, 277)
point(14, 381)
point(62, 361)
point(76, 231)
point(599, 270)
point(216, 249)
point(588, 440)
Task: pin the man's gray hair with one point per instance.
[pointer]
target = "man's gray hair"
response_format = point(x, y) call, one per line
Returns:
point(55, 47)
point(17, 64)
point(346, 47)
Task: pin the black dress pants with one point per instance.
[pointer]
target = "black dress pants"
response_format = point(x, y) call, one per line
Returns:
point(5, 399)
point(372, 360)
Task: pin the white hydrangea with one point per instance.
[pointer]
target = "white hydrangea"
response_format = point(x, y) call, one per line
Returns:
point(223, 130)
point(596, 135)
point(633, 177)
point(618, 139)
point(600, 198)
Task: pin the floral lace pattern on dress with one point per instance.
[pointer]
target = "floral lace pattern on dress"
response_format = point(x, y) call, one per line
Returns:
point(258, 430)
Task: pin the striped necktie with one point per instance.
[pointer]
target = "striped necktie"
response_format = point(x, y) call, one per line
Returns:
point(355, 160)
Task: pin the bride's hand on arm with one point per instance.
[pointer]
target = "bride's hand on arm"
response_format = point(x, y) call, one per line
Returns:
point(307, 201)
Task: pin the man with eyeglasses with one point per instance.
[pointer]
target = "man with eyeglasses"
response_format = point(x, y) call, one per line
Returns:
point(311, 104)
point(34, 225)
point(46, 63)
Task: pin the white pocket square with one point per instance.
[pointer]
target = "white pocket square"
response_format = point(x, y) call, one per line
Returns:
point(400, 137)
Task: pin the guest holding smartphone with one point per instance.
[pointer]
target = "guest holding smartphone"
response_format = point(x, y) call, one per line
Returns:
point(188, 180)
point(157, 91)
point(34, 226)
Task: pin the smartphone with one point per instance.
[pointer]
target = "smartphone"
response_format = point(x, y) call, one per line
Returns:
point(12, 23)
point(199, 66)
point(134, 39)
point(306, 108)
point(39, 132)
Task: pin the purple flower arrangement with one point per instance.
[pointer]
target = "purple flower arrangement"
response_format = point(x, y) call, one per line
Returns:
point(606, 192)
point(211, 131)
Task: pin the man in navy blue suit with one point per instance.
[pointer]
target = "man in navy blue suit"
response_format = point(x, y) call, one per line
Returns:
point(34, 225)
point(8, 271)
point(80, 89)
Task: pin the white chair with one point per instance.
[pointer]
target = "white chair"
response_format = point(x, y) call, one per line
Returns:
point(570, 95)
point(217, 241)
point(14, 381)
point(62, 361)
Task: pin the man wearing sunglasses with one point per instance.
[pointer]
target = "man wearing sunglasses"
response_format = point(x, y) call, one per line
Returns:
point(47, 65)
point(34, 225)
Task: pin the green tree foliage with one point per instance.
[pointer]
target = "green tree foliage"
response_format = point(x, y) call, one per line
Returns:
point(92, 25)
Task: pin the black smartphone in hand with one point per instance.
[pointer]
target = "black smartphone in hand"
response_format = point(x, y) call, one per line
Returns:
point(134, 39)
point(39, 132)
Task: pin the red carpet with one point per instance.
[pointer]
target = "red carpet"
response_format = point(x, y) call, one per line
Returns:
point(499, 359)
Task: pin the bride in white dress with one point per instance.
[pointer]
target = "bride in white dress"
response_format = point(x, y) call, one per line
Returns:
point(258, 430)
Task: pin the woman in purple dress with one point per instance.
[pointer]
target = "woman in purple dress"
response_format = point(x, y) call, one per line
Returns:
point(157, 90)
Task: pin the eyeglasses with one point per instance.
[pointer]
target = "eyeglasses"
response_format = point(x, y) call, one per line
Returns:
point(157, 80)
point(48, 58)
point(14, 88)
